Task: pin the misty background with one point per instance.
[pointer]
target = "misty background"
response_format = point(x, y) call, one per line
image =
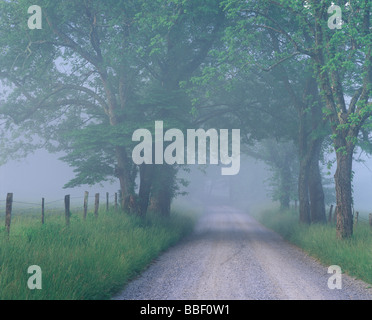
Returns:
point(43, 175)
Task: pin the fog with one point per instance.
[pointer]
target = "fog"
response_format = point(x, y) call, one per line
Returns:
point(363, 185)
point(248, 189)
point(43, 175)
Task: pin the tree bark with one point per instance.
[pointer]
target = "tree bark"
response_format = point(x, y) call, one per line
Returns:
point(303, 179)
point(163, 189)
point(285, 188)
point(128, 197)
point(146, 178)
point(303, 192)
point(316, 192)
point(343, 178)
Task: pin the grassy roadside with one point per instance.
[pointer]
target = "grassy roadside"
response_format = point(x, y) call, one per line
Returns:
point(354, 256)
point(90, 259)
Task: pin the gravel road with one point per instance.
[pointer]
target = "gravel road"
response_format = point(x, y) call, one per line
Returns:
point(230, 256)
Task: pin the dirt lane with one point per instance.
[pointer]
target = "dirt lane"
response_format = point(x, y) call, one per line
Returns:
point(230, 256)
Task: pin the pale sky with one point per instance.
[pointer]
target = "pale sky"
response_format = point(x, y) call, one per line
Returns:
point(43, 175)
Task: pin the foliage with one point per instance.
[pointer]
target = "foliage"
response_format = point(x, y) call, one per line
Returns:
point(90, 259)
point(353, 256)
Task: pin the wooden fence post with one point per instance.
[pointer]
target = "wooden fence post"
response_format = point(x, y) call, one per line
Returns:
point(330, 214)
point(67, 209)
point(8, 212)
point(107, 201)
point(116, 201)
point(42, 211)
point(96, 205)
point(86, 194)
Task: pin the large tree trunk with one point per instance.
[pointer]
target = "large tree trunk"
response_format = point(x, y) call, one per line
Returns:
point(316, 192)
point(285, 188)
point(162, 191)
point(343, 177)
point(160, 203)
point(124, 167)
point(303, 192)
point(146, 178)
point(123, 172)
point(303, 178)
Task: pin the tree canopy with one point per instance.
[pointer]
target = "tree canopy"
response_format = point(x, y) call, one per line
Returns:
point(290, 74)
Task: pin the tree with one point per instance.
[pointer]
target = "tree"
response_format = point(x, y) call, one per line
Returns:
point(341, 59)
point(175, 50)
point(334, 68)
point(96, 72)
point(286, 102)
point(76, 73)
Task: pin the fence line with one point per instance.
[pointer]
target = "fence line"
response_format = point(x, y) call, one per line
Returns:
point(29, 203)
point(356, 217)
point(67, 206)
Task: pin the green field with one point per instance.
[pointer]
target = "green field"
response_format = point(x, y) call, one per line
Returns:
point(90, 259)
point(354, 256)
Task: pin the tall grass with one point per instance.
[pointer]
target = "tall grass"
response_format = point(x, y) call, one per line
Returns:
point(354, 256)
point(89, 259)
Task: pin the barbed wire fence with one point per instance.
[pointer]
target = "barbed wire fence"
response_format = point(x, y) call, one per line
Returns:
point(68, 205)
point(79, 204)
point(357, 217)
